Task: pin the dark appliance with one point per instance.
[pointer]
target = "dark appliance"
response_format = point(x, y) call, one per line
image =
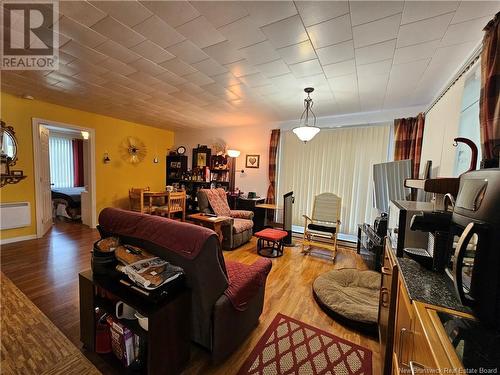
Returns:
point(380, 225)
point(475, 262)
point(437, 225)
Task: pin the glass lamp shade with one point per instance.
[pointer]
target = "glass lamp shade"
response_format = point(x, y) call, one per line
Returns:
point(233, 153)
point(306, 133)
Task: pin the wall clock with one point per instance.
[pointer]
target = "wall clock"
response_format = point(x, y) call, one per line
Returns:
point(181, 150)
point(133, 150)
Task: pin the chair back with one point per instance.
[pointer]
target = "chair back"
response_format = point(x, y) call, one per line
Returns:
point(136, 199)
point(326, 208)
point(176, 202)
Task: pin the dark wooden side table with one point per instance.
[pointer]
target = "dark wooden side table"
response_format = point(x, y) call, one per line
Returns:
point(168, 336)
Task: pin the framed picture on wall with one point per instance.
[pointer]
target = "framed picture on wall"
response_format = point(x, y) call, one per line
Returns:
point(252, 161)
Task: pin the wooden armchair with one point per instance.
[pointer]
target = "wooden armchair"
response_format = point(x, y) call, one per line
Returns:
point(175, 202)
point(323, 224)
point(136, 201)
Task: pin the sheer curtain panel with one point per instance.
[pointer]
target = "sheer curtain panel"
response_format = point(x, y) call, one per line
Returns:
point(339, 161)
point(61, 162)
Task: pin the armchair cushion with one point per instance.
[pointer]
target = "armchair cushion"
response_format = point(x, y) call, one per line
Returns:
point(245, 281)
point(218, 201)
point(242, 214)
point(241, 225)
point(322, 228)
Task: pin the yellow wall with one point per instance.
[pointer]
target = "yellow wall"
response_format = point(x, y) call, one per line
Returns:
point(112, 180)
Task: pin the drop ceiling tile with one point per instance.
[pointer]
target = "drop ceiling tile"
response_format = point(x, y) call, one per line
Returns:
point(273, 68)
point(376, 31)
point(159, 32)
point(175, 13)
point(415, 52)
point(266, 12)
point(144, 78)
point(376, 68)
point(81, 11)
point(129, 13)
point(117, 66)
point(253, 80)
point(306, 68)
point(171, 78)
point(286, 32)
point(215, 89)
point(242, 68)
point(118, 32)
point(297, 53)
point(65, 58)
point(191, 88)
point(81, 33)
point(347, 83)
point(178, 67)
point(188, 52)
point(420, 10)
point(210, 67)
point(260, 53)
point(201, 32)
point(466, 31)
point(226, 79)
point(199, 78)
point(147, 67)
point(83, 53)
point(469, 10)
point(220, 13)
point(340, 69)
point(224, 53)
point(423, 31)
point(117, 51)
point(368, 11)
point(375, 52)
point(313, 12)
point(67, 70)
point(86, 67)
point(336, 53)
point(330, 32)
point(152, 51)
point(243, 32)
point(117, 78)
point(90, 78)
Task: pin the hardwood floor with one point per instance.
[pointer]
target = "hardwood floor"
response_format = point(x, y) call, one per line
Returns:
point(46, 270)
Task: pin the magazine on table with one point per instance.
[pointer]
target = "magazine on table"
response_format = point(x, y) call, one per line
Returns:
point(152, 273)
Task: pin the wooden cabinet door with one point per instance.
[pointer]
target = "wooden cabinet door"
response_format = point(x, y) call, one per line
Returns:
point(421, 355)
point(403, 342)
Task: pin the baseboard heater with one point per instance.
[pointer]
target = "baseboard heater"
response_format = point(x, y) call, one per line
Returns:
point(15, 215)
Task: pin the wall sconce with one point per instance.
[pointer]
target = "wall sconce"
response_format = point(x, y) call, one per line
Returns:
point(155, 160)
point(106, 159)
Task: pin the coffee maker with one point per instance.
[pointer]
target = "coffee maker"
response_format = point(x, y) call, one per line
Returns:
point(474, 265)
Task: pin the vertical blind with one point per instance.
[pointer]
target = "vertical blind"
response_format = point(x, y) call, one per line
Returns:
point(61, 162)
point(339, 161)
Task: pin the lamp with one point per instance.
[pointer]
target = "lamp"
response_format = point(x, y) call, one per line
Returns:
point(85, 135)
point(305, 132)
point(233, 153)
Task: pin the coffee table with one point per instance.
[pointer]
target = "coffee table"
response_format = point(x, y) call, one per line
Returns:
point(212, 222)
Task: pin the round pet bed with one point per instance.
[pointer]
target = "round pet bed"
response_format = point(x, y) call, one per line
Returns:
point(350, 296)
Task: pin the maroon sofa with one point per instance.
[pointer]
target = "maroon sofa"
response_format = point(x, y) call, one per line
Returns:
point(227, 297)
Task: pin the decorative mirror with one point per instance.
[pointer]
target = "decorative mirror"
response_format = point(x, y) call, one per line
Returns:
point(8, 156)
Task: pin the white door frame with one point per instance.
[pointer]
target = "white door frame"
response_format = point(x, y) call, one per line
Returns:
point(37, 162)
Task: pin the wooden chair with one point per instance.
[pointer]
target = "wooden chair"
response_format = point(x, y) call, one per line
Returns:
point(324, 224)
point(136, 201)
point(175, 202)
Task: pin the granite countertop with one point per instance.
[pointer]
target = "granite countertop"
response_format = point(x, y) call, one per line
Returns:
point(429, 287)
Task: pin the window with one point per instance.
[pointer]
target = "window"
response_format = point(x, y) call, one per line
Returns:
point(61, 162)
point(338, 161)
point(469, 121)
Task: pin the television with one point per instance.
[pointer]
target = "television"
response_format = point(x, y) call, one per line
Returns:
point(388, 182)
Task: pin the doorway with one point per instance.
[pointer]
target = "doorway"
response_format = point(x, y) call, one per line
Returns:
point(64, 160)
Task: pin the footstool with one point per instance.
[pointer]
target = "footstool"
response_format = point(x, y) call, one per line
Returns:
point(270, 242)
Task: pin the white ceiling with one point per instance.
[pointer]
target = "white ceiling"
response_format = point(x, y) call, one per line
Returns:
point(177, 64)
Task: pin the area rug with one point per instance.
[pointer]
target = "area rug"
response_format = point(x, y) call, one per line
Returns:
point(31, 343)
point(290, 346)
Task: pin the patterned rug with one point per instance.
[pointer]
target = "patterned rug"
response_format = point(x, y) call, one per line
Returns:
point(31, 343)
point(290, 346)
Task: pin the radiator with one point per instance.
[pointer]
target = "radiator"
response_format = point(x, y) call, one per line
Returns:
point(15, 215)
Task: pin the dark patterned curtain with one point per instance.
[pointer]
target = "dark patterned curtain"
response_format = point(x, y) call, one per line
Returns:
point(489, 102)
point(408, 135)
point(273, 158)
point(78, 162)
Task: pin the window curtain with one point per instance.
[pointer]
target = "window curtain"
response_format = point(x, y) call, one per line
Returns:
point(408, 136)
point(78, 162)
point(61, 162)
point(273, 157)
point(339, 161)
point(489, 106)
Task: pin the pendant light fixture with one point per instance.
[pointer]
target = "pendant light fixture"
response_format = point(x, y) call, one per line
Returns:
point(306, 132)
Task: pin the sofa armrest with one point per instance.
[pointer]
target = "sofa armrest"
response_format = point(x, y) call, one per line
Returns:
point(245, 281)
point(242, 214)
